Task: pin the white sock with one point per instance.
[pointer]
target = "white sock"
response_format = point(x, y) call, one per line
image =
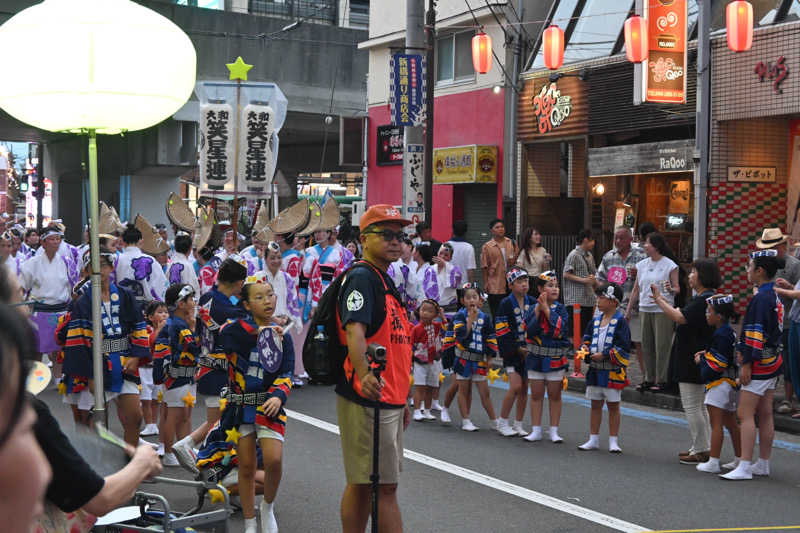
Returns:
point(537, 430)
point(417, 412)
point(746, 465)
point(267, 505)
point(502, 421)
point(764, 462)
point(595, 439)
point(250, 525)
point(553, 431)
point(713, 461)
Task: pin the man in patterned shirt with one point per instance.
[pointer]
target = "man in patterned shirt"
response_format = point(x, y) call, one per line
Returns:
point(579, 278)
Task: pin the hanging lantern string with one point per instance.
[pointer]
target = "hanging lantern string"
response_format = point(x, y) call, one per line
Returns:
point(479, 27)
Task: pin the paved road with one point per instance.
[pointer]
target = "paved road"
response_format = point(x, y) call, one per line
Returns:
point(465, 482)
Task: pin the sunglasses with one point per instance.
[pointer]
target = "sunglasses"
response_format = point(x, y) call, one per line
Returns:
point(388, 235)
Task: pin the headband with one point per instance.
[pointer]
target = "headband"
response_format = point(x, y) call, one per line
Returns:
point(258, 277)
point(719, 299)
point(272, 246)
point(186, 291)
point(473, 285)
point(51, 232)
point(764, 253)
point(86, 260)
point(549, 275)
point(181, 233)
point(239, 259)
point(608, 293)
point(6, 236)
point(514, 274)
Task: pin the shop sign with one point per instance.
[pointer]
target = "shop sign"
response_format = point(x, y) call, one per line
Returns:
point(407, 89)
point(776, 73)
point(668, 156)
point(756, 174)
point(550, 107)
point(414, 183)
point(663, 75)
point(465, 164)
point(390, 146)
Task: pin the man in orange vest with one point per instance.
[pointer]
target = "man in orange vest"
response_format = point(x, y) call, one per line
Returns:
point(370, 311)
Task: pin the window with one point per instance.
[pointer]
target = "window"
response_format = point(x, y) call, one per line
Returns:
point(561, 19)
point(597, 30)
point(454, 58)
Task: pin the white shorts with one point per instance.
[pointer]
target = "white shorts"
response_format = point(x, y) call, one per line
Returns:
point(174, 397)
point(128, 387)
point(262, 433)
point(759, 387)
point(210, 400)
point(84, 400)
point(603, 393)
point(635, 325)
point(148, 387)
point(475, 378)
point(427, 375)
point(557, 375)
point(723, 396)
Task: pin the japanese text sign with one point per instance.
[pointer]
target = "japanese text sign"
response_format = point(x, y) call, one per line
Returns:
point(465, 164)
point(664, 73)
point(217, 146)
point(758, 174)
point(256, 146)
point(407, 89)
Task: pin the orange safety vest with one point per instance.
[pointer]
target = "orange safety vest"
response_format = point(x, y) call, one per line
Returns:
point(395, 335)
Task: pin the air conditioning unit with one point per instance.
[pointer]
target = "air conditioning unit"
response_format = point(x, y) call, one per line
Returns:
point(176, 144)
point(358, 210)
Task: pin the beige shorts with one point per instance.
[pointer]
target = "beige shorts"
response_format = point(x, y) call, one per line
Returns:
point(261, 432)
point(427, 375)
point(603, 393)
point(556, 375)
point(635, 325)
point(355, 429)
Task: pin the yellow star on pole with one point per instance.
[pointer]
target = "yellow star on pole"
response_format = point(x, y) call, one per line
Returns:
point(494, 374)
point(232, 435)
point(238, 69)
point(188, 400)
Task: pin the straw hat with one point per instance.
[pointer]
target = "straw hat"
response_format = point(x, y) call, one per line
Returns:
point(120, 226)
point(314, 218)
point(770, 238)
point(109, 222)
point(179, 213)
point(292, 219)
point(203, 228)
point(330, 215)
point(152, 242)
point(264, 235)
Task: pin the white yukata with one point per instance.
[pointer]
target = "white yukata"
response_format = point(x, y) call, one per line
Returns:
point(141, 274)
point(286, 297)
point(50, 284)
point(181, 270)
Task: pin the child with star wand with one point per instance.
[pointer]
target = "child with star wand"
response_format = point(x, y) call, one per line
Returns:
point(262, 358)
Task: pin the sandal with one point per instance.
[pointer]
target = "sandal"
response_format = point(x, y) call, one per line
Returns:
point(796, 415)
point(784, 408)
point(644, 386)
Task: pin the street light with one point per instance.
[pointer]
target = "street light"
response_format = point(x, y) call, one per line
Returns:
point(102, 66)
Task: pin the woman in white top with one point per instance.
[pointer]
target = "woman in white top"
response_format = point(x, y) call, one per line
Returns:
point(533, 258)
point(657, 328)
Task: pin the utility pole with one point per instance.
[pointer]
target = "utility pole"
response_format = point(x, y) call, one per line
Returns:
point(702, 129)
point(430, 45)
point(413, 135)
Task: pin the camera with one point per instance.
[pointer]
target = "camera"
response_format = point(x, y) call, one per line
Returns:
point(376, 355)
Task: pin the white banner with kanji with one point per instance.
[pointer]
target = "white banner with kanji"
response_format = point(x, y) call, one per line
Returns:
point(217, 163)
point(257, 147)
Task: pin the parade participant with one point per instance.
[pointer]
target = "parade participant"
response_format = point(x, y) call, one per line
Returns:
point(287, 311)
point(606, 343)
point(31, 243)
point(125, 342)
point(425, 236)
point(322, 262)
point(512, 316)
point(475, 344)
point(657, 328)
point(760, 349)
point(13, 263)
point(547, 335)
point(619, 266)
point(718, 368)
point(16, 244)
point(533, 257)
point(497, 256)
point(255, 252)
point(181, 268)
point(463, 251)
point(139, 272)
point(156, 316)
point(580, 280)
point(404, 274)
point(175, 363)
point(440, 279)
point(348, 256)
point(262, 357)
point(48, 278)
point(370, 311)
point(230, 246)
point(426, 338)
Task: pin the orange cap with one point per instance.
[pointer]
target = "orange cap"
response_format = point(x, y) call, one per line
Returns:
point(381, 213)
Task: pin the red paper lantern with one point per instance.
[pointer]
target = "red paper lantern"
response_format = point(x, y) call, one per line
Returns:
point(739, 23)
point(636, 41)
point(553, 47)
point(482, 53)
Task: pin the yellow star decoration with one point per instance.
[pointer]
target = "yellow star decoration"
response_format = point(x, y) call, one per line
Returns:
point(222, 403)
point(412, 380)
point(188, 400)
point(62, 388)
point(217, 496)
point(160, 396)
point(238, 69)
point(232, 435)
point(505, 377)
point(441, 377)
point(494, 374)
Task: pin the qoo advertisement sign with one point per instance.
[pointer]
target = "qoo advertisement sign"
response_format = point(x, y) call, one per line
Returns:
point(662, 78)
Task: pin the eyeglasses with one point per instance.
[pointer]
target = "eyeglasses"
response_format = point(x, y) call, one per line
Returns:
point(388, 235)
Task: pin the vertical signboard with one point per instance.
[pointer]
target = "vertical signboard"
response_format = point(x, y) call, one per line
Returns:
point(414, 183)
point(217, 127)
point(662, 78)
point(256, 146)
point(407, 89)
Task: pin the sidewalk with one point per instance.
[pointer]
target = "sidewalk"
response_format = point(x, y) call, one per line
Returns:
point(662, 400)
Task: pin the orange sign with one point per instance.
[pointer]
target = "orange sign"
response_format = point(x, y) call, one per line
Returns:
point(664, 73)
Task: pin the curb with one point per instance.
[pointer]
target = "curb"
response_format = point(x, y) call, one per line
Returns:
point(784, 423)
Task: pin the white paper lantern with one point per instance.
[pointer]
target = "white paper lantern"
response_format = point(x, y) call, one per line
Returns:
point(107, 65)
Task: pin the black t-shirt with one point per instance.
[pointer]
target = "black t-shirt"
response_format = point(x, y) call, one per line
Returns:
point(74, 482)
point(690, 338)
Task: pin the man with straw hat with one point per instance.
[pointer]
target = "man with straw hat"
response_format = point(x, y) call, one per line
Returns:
point(139, 272)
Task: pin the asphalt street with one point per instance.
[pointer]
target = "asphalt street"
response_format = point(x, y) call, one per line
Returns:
point(465, 482)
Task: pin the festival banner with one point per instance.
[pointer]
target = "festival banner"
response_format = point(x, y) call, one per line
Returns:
point(217, 129)
point(256, 157)
point(664, 73)
point(407, 81)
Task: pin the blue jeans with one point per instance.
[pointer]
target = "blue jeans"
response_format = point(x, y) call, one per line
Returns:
point(792, 357)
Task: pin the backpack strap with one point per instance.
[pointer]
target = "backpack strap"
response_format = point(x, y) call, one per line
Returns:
point(366, 264)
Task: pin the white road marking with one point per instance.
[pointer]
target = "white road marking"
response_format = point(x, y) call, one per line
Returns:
point(494, 483)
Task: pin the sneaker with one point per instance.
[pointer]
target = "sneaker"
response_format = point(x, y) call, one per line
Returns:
point(268, 522)
point(614, 448)
point(712, 467)
point(555, 437)
point(784, 408)
point(297, 383)
point(160, 450)
point(534, 436)
point(444, 416)
point(418, 415)
point(732, 465)
point(436, 406)
point(467, 425)
point(760, 468)
point(426, 414)
point(143, 442)
point(149, 430)
point(518, 429)
point(589, 445)
point(494, 424)
point(186, 455)
point(505, 430)
point(694, 458)
point(741, 472)
point(169, 459)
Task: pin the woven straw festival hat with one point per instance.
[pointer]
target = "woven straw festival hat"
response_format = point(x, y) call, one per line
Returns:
point(292, 219)
point(179, 214)
point(314, 218)
point(330, 215)
point(152, 242)
point(109, 220)
point(203, 227)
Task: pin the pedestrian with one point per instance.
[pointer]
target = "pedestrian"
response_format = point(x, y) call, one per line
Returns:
point(404, 274)
point(619, 266)
point(606, 343)
point(156, 316)
point(287, 313)
point(371, 311)
point(693, 333)
point(657, 328)
point(476, 343)
point(426, 338)
point(497, 257)
point(791, 350)
point(176, 353)
point(547, 335)
point(125, 343)
point(580, 279)
point(138, 272)
point(759, 357)
point(262, 356)
point(425, 236)
point(463, 251)
point(440, 279)
point(7, 255)
point(512, 316)
point(718, 368)
point(533, 257)
point(180, 268)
